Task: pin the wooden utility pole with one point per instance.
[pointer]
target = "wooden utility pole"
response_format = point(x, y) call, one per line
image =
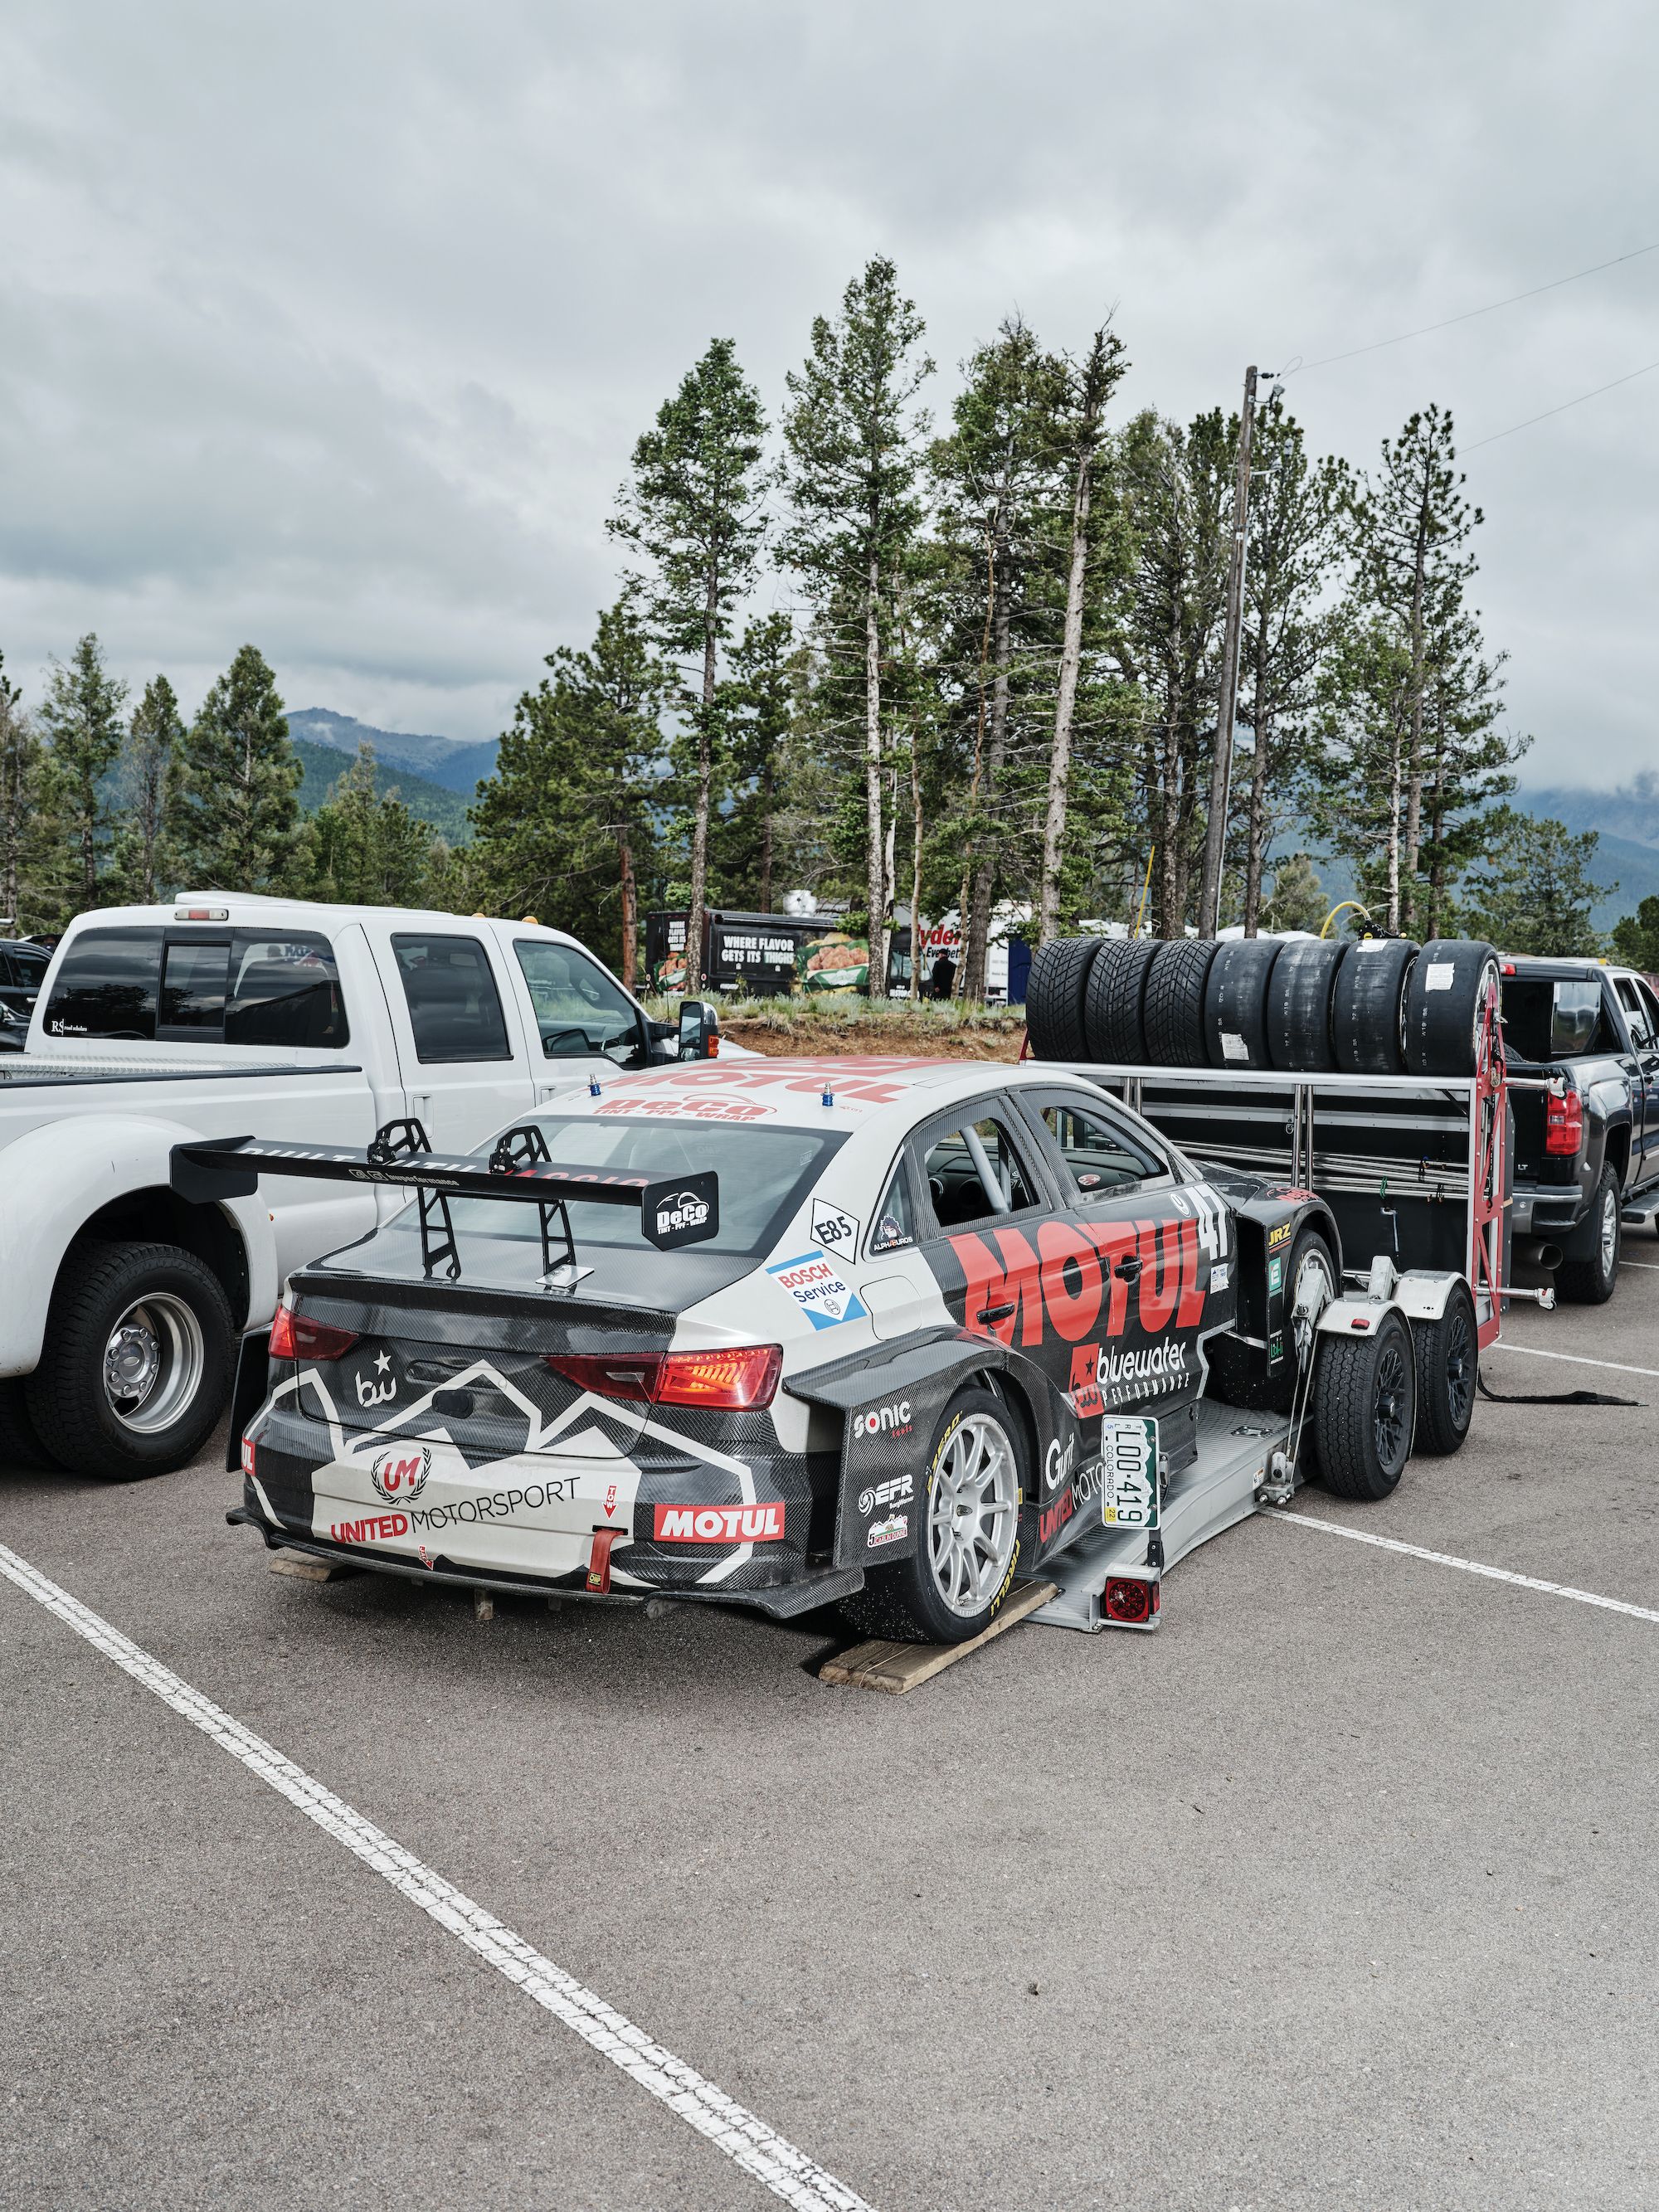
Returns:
point(1215, 838)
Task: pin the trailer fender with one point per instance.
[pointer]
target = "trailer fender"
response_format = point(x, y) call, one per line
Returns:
point(58, 1177)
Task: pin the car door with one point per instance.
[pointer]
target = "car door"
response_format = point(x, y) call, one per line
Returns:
point(583, 1025)
point(1127, 1263)
point(1641, 1014)
point(460, 1035)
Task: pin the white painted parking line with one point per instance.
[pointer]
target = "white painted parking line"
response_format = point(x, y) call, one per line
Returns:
point(1647, 1266)
point(1576, 1359)
point(1465, 1566)
point(748, 2142)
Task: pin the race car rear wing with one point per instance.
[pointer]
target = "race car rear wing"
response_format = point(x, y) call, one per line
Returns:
point(674, 1210)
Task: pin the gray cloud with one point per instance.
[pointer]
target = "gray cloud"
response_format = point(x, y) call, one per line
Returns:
point(333, 329)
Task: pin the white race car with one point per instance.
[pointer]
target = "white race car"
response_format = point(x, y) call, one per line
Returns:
point(782, 1333)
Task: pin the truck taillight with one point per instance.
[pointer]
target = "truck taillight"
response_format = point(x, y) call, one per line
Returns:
point(728, 1379)
point(295, 1335)
point(1564, 1124)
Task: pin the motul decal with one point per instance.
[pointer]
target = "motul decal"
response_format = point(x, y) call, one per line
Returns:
point(1062, 1284)
point(719, 1524)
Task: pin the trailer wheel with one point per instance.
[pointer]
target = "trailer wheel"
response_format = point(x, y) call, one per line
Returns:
point(1298, 1009)
point(1451, 1001)
point(1368, 1006)
point(1592, 1282)
point(967, 1535)
point(1054, 997)
point(1175, 1003)
point(1235, 1002)
point(137, 1360)
point(1240, 1373)
point(1364, 1399)
point(1113, 1004)
point(1448, 1359)
point(20, 1446)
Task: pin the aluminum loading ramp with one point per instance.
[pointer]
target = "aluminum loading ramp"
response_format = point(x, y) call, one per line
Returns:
point(1216, 1490)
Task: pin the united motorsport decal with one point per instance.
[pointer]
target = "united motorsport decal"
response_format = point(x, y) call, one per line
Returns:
point(811, 1282)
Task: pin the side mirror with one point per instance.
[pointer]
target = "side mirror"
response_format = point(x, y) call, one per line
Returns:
point(700, 1030)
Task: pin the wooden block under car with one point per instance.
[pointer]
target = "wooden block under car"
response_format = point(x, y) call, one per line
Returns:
point(305, 1569)
point(898, 1668)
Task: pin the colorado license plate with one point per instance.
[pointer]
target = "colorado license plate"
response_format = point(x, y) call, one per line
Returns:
point(1129, 1489)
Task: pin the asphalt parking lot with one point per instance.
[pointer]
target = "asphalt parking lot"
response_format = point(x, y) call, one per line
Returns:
point(1338, 1890)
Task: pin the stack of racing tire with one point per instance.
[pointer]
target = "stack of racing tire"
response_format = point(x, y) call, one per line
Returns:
point(1380, 1005)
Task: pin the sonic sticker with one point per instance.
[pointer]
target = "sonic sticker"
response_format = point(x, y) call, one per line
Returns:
point(811, 1282)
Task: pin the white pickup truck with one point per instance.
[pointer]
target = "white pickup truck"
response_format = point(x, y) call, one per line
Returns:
point(122, 1302)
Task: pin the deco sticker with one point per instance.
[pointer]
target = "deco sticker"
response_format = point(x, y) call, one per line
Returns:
point(686, 1211)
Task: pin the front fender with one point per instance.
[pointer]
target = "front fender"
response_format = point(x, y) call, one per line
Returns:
point(58, 1176)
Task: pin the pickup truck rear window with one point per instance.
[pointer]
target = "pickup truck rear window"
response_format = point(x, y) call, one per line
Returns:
point(106, 986)
point(1557, 1017)
point(454, 1008)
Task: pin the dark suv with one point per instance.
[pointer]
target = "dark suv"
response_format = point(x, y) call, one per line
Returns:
point(1586, 1150)
point(23, 967)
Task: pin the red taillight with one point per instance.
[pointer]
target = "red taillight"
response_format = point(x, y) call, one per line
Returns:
point(1128, 1599)
point(1564, 1124)
point(727, 1379)
point(297, 1336)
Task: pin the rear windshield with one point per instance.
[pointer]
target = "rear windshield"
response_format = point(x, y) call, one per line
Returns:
point(1556, 1017)
point(240, 987)
point(764, 1174)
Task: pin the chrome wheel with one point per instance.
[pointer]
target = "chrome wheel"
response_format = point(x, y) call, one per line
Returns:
point(154, 1362)
point(1314, 1289)
point(972, 1514)
point(1609, 1230)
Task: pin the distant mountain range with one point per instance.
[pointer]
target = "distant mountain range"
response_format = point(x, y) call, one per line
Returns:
point(444, 760)
point(324, 766)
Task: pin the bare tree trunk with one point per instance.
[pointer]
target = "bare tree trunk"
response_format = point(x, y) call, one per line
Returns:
point(961, 989)
point(1394, 833)
point(705, 769)
point(915, 867)
point(1215, 833)
point(630, 909)
point(1070, 659)
point(985, 871)
point(1256, 835)
point(1414, 762)
point(875, 846)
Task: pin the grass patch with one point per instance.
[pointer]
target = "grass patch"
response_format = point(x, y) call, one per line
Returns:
point(822, 1026)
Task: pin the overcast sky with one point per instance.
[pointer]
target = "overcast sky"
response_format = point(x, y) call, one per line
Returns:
point(331, 327)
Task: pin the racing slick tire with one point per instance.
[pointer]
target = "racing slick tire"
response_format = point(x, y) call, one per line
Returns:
point(1054, 997)
point(1174, 1012)
point(20, 1446)
point(1365, 1406)
point(1299, 1008)
point(1448, 1359)
point(1239, 1373)
point(1591, 1282)
point(1114, 1006)
point(1450, 997)
point(968, 1541)
point(1368, 1006)
point(138, 1361)
point(1235, 1002)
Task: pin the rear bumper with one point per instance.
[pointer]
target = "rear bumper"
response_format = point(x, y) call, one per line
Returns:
point(815, 1587)
point(1547, 1209)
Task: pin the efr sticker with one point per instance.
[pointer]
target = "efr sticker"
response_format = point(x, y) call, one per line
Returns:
point(811, 1282)
point(1439, 975)
point(835, 1229)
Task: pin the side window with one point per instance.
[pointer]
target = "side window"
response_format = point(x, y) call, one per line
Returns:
point(28, 966)
point(284, 991)
point(1636, 1015)
point(106, 986)
point(579, 1010)
point(896, 1217)
point(1649, 1006)
point(1099, 1156)
point(974, 1174)
point(193, 975)
point(454, 1008)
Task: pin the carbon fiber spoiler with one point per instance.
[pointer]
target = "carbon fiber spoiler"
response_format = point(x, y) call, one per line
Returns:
point(674, 1210)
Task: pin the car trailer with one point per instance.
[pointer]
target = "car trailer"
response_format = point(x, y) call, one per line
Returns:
point(1416, 1172)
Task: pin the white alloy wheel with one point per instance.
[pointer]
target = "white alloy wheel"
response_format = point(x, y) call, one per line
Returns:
point(973, 1514)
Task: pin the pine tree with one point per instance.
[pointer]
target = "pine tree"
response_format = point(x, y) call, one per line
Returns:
point(1366, 692)
point(239, 817)
point(566, 826)
point(362, 847)
point(29, 842)
point(758, 719)
point(854, 446)
point(1636, 937)
point(693, 511)
point(1296, 901)
point(146, 851)
point(1534, 893)
point(82, 717)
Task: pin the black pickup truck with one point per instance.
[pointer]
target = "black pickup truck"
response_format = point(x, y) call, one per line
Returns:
point(1587, 1148)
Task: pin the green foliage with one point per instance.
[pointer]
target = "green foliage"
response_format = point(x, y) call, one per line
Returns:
point(239, 817)
point(146, 855)
point(363, 847)
point(32, 851)
point(566, 828)
point(1636, 937)
point(1533, 892)
point(1296, 901)
point(81, 718)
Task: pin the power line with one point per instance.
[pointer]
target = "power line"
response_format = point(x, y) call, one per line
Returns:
point(1469, 315)
point(1562, 408)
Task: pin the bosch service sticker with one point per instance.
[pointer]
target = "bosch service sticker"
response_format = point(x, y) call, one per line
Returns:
point(811, 1282)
